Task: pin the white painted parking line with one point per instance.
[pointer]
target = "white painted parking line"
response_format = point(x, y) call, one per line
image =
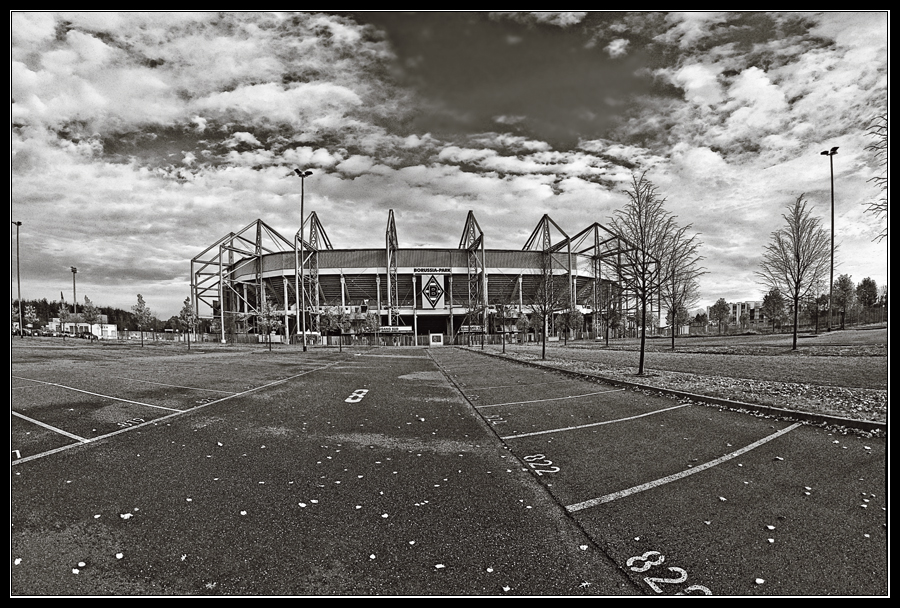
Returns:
point(190, 388)
point(52, 428)
point(156, 421)
point(584, 426)
point(524, 384)
point(78, 390)
point(615, 390)
point(393, 356)
point(654, 484)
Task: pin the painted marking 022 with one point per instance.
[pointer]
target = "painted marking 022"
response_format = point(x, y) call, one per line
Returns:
point(540, 464)
point(357, 395)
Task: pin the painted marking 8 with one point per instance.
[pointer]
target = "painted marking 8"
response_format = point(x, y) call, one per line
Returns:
point(357, 395)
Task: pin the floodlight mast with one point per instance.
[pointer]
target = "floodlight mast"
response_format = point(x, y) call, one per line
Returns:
point(301, 285)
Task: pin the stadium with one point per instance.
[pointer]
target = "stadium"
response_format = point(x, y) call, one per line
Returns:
point(255, 280)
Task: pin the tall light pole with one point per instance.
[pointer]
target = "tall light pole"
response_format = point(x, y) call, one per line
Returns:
point(74, 296)
point(19, 281)
point(830, 154)
point(301, 287)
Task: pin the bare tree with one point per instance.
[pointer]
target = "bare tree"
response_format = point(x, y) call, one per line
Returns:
point(268, 319)
point(550, 296)
point(720, 312)
point(681, 272)
point(611, 314)
point(91, 315)
point(31, 316)
point(335, 319)
point(646, 227)
point(844, 296)
point(570, 319)
point(505, 310)
point(142, 316)
point(773, 306)
point(878, 128)
point(797, 256)
point(187, 318)
point(64, 317)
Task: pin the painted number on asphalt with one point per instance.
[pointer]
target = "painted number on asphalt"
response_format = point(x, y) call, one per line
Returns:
point(131, 422)
point(655, 558)
point(494, 419)
point(540, 464)
point(357, 395)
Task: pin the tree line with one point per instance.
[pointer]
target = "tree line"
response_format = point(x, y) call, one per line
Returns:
point(47, 310)
point(43, 311)
point(852, 304)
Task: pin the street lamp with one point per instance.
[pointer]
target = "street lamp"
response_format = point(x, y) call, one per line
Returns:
point(74, 297)
point(830, 154)
point(301, 284)
point(19, 281)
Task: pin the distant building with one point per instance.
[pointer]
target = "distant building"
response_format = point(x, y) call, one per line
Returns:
point(101, 330)
point(753, 310)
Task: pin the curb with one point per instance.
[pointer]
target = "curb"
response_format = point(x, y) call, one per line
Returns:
point(862, 425)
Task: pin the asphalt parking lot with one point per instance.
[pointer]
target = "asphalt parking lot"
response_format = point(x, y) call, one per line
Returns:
point(690, 498)
point(418, 472)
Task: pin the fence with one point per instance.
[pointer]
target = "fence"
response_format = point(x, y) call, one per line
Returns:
point(460, 339)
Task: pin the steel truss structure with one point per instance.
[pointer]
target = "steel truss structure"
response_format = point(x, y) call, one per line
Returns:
point(472, 242)
point(234, 277)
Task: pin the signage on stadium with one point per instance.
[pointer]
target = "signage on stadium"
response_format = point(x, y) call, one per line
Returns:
point(431, 270)
point(433, 291)
point(394, 329)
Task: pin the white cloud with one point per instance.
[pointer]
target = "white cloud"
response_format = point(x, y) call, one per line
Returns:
point(558, 18)
point(617, 47)
point(691, 27)
point(700, 83)
point(355, 165)
point(241, 137)
point(757, 106)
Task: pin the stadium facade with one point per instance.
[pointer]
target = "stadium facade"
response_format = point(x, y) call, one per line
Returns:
point(256, 274)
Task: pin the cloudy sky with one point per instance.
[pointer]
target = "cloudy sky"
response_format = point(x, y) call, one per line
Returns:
point(140, 139)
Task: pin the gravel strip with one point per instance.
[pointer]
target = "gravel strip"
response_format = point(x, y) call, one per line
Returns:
point(849, 403)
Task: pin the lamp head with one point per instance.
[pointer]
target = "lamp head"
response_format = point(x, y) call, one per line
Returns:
point(302, 173)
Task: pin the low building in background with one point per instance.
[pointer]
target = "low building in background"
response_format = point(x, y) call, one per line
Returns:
point(747, 315)
point(101, 330)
